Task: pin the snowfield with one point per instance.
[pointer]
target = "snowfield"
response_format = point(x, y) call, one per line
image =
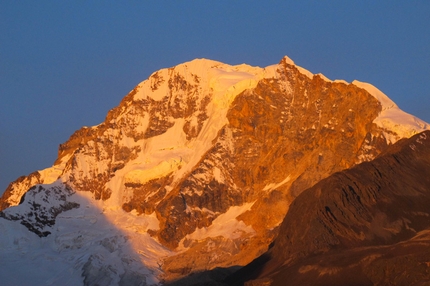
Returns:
point(102, 247)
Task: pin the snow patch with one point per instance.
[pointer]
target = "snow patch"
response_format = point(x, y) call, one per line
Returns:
point(142, 176)
point(218, 175)
point(225, 225)
point(386, 102)
point(324, 77)
point(273, 186)
point(341, 81)
point(305, 72)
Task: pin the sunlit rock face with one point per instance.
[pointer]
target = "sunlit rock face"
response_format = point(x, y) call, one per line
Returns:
point(210, 156)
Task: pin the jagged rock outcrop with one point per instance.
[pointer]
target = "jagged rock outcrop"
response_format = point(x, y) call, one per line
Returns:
point(210, 155)
point(14, 192)
point(358, 226)
point(39, 207)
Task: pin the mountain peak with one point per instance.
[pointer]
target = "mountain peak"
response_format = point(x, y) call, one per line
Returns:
point(287, 60)
point(201, 162)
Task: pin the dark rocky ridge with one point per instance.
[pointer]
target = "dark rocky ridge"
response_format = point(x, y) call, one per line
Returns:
point(369, 225)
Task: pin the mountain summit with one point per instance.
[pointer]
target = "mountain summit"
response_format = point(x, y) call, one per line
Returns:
point(195, 169)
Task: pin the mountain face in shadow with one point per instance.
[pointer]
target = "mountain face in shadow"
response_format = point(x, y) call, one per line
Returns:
point(57, 236)
point(368, 225)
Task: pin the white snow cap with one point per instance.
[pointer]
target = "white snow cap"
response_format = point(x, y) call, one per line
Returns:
point(391, 117)
point(287, 60)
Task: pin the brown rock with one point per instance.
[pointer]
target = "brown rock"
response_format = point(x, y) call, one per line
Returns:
point(360, 225)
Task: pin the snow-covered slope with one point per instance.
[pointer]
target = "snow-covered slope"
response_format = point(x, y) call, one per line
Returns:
point(85, 245)
point(194, 169)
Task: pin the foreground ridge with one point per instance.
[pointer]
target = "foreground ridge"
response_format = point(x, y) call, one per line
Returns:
point(358, 226)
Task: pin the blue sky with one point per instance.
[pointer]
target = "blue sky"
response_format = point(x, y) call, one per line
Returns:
point(64, 64)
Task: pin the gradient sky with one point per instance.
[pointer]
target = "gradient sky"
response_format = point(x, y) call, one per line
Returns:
point(64, 64)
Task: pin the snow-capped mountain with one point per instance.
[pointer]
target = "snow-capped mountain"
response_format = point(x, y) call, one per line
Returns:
point(195, 169)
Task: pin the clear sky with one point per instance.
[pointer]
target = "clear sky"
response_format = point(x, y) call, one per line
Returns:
point(64, 64)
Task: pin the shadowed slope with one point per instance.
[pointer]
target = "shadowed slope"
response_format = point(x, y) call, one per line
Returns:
point(366, 225)
point(57, 236)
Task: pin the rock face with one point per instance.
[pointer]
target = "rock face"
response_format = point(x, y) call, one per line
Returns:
point(211, 156)
point(369, 225)
point(39, 207)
